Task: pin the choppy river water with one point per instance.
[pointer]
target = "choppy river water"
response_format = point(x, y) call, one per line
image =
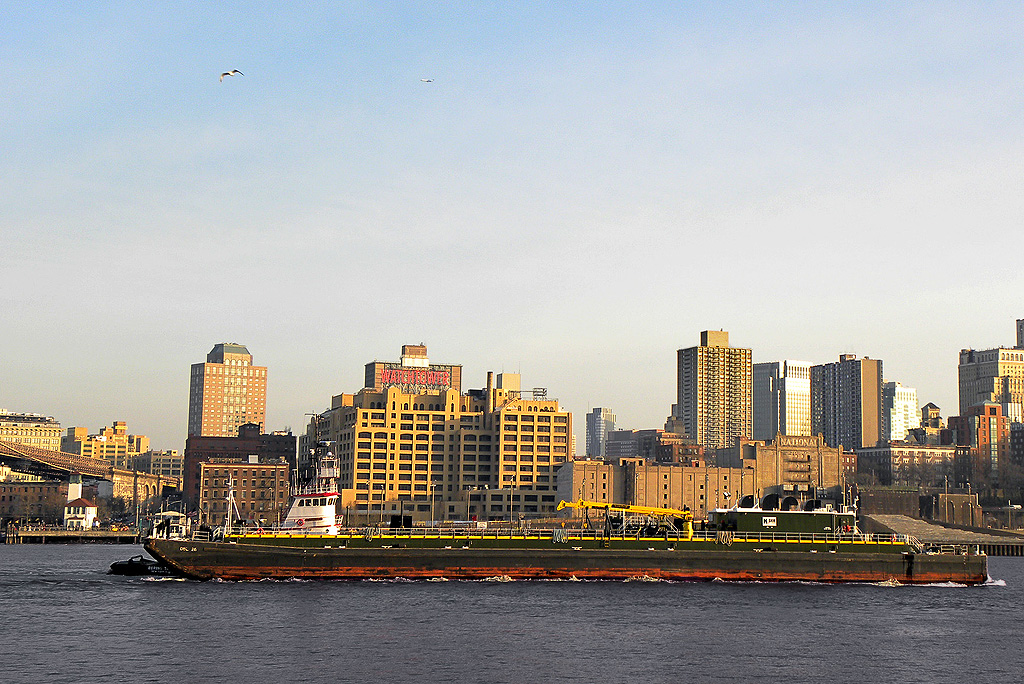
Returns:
point(62, 619)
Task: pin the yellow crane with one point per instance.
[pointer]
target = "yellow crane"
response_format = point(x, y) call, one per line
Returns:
point(685, 515)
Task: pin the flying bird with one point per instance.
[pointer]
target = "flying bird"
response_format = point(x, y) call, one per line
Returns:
point(427, 80)
point(233, 72)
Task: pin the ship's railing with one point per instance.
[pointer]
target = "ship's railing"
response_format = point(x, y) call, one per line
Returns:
point(564, 535)
point(728, 537)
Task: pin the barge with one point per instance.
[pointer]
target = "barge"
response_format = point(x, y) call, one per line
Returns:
point(820, 544)
point(733, 545)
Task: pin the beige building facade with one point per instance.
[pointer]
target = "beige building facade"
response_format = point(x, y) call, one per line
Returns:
point(797, 466)
point(412, 443)
point(991, 375)
point(635, 482)
point(167, 463)
point(30, 429)
point(226, 392)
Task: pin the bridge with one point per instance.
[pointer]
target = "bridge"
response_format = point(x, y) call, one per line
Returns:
point(131, 485)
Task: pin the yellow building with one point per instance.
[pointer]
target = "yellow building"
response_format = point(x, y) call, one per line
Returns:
point(112, 444)
point(411, 443)
point(226, 392)
point(30, 429)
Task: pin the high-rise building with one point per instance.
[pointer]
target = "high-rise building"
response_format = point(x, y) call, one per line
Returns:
point(226, 392)
point(846, 402)
point(985, 430)
point(993, 375)
point(409, 443)
point(714, 391)
point(600, 422)
point(899, 411)
point(781, 399)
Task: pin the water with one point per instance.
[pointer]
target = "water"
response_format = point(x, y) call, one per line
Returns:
point(62, 619)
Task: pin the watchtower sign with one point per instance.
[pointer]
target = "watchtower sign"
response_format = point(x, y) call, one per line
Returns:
point(430, 378)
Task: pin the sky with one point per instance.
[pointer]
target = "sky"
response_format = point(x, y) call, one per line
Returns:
point(581, 189)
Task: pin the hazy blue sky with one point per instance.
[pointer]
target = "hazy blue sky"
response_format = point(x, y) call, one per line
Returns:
point(581, 190)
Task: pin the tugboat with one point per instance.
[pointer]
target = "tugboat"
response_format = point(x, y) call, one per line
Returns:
point(139, 566)
point(314, 506)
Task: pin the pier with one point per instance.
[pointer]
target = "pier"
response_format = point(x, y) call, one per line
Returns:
point(60, 536)
point(942, 535)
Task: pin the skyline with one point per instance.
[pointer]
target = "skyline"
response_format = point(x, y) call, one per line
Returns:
point(575, 195)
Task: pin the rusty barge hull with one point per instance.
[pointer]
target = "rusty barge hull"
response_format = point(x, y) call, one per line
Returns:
point(241, 561)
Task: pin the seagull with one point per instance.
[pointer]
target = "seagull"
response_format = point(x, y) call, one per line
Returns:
point(233, 72)
point(427, 80)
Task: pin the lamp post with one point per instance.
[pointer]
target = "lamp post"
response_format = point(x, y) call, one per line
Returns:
point(511, 491)
point(433, 516)
point(380, 486)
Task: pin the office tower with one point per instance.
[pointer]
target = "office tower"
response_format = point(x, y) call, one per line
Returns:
point(226, 392)
point(714, 391)
point(846, 402)
point(781, 399)
point(993, 375)
point(600, 421)
point(899, 411)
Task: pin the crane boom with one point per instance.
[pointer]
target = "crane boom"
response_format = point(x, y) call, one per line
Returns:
point(685, 514)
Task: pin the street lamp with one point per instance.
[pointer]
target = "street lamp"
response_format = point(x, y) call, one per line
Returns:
point(511, 491)
point(433, 517)
point(380, 486)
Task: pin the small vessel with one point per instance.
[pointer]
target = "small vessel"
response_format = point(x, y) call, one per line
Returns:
point(138, 566)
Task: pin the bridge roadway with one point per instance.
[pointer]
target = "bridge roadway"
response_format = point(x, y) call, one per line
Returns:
point(47, 462)
point(131, 485)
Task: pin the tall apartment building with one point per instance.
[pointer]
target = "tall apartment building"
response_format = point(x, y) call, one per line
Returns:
point(781, 399)
point(30, 429)
point(600, 422)
point(993, 375)
point(226, 392)
point(714, 391)
point(410, 442)
point(984, 430)
point(899, 411)
point(846, 402)
point(111, 443)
